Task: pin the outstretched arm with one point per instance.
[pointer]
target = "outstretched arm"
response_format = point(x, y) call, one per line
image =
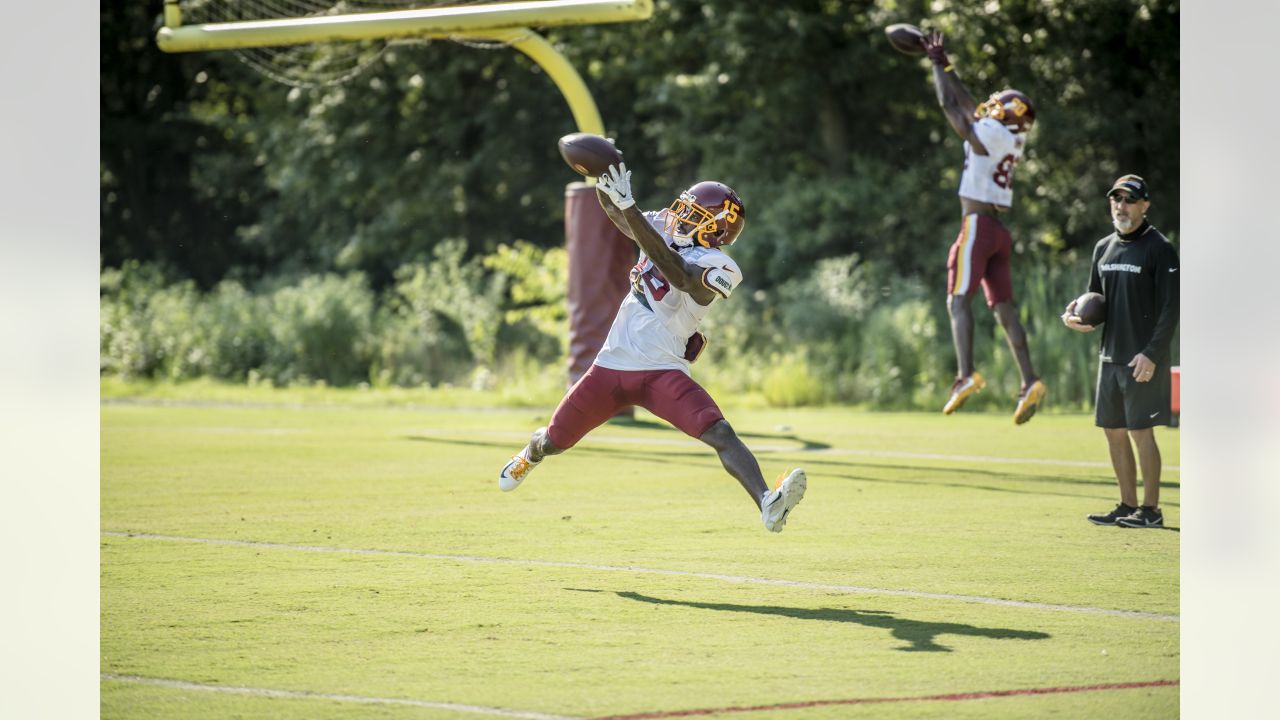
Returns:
point(616, 186)
point(615, 215)
point(957, 104)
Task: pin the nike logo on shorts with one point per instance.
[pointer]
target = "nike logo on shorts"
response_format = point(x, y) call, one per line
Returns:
point(1154, 414)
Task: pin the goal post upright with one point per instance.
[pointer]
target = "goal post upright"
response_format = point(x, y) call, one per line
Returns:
point(172, 15)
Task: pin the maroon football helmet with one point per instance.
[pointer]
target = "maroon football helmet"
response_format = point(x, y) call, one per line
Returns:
point(709, 213)
point(1009, 108)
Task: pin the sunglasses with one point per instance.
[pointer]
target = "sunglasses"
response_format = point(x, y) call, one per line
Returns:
point(1126, 199)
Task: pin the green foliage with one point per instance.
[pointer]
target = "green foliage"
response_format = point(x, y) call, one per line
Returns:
point(441, 319)
point(869, 337)
point(834, 140)
point(149, 328)
point(441, 323)
point(904, 362)
point(240, 337)
point(790, 381)
point(320, 330)
point(406, 227)
point(538, 284)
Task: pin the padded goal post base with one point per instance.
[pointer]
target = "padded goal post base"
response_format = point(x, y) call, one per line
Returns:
point(600, 260)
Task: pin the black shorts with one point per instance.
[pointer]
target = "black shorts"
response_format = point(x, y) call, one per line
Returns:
point(1123, 402)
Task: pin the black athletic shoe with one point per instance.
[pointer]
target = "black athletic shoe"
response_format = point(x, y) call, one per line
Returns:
point(1143, 517)
point(1110, 518)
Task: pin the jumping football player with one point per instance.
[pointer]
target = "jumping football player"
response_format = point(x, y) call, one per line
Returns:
point(994, 136)
point(645, 359)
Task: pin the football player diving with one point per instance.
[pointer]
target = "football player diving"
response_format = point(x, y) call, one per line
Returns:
point(995, 135)
point(645, 359)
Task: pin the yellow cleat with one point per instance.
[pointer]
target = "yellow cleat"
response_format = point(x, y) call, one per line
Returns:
point(1029, 402)
point(961, 390)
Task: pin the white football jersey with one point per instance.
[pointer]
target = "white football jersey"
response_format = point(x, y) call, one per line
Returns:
point(656, 319)
point(989, 178)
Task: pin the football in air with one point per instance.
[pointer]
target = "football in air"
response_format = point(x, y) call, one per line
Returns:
point(588, 154)
point(906, 38)
point(1091, 308)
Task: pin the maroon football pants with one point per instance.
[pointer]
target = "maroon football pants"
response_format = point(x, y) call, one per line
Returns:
point(601, 393)
point(980, 255)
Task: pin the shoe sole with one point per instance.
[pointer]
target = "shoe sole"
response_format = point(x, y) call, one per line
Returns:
point(1104, 523)
point(958, 402)
point(1137, 526)
point(1022, 414)
point(793, 488)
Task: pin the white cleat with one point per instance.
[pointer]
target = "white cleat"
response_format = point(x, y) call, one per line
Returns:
point(516, 471)
point(778, 504)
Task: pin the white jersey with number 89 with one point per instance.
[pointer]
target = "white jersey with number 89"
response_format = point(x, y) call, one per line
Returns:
point(989, 178)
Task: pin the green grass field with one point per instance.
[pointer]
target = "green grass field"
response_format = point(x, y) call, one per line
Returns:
point(313, 561)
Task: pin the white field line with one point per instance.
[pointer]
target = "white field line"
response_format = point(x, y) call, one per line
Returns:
point(302, 694)
point(855, 589)
point(778, 448)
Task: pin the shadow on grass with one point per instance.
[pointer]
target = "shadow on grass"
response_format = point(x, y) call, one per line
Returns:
point(711, 462)
point(918, 636)
point(805, 445)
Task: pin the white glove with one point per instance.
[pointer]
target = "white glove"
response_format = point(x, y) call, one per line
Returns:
point(617, 185)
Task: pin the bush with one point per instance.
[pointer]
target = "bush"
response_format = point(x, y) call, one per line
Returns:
point(320, 331)
point(441, 322)
point(148, 328)
point(789, 381)
point(416, 344)
point(238, 332)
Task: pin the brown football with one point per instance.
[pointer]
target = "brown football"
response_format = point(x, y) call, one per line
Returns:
point(1091, 308)
point(588, 154)
point(906, 38)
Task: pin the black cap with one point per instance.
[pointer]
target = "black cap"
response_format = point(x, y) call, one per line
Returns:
point(1132, 184)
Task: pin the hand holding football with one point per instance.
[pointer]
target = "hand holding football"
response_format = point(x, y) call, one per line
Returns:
point(588, 154)
point(1091, 308)
point(906, 38)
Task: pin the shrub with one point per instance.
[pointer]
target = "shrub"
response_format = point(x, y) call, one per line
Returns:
point(320, 330)
point(148, 328)
point(237, 332)
point(789, 381)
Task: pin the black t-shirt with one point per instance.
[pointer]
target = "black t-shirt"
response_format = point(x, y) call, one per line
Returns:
point(1138, 275)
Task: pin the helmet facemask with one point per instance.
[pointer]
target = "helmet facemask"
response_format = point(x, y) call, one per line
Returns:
point(687, 221)
point(1013, 112)
point(683, 219)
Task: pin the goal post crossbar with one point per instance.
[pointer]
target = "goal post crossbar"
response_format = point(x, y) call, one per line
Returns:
point(436, 22)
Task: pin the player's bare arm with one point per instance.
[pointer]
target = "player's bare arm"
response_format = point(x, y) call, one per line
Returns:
point(616, 185)
point(957, 104)
point(678, 271)
point(614, 214)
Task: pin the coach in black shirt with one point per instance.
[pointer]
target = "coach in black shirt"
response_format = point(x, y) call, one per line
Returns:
point(1136, 270)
